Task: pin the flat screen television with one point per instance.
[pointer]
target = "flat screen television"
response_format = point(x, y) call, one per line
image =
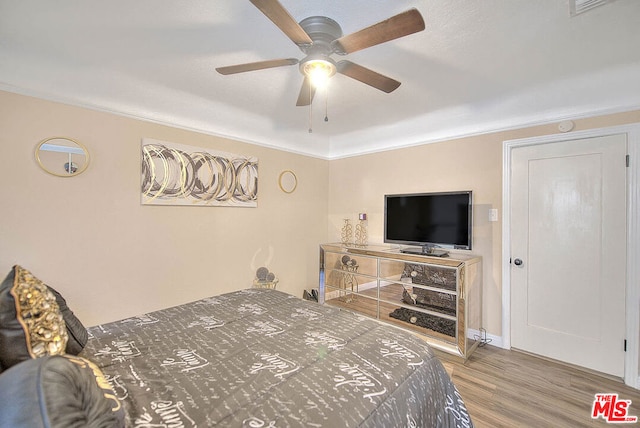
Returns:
point(429, 220)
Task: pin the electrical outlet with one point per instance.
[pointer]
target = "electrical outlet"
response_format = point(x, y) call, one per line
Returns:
point(493, 214)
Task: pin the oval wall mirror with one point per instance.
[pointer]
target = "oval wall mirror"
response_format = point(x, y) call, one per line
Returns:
point(288, 181)
point(62, 157)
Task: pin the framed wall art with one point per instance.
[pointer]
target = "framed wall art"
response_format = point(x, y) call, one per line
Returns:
point(178, 174)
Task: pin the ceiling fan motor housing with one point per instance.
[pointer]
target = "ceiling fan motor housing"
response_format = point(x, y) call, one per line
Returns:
point(323, 31)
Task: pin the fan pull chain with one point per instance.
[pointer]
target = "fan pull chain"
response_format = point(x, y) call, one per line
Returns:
point(310, 111)
point(326, 105)
point(310, 119)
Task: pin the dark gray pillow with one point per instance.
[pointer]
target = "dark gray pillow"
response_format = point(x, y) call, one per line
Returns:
point(31, 324)
point(59, 391)
point(77, 332)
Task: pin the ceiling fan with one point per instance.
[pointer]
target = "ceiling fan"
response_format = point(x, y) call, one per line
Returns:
point(318, 37)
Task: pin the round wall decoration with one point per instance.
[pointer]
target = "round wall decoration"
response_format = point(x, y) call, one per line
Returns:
point(62, 157)
point(288, 181)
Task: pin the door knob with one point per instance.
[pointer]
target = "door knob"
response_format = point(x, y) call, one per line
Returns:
point(517, 262)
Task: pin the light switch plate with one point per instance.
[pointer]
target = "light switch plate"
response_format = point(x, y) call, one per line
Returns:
point(493, 214)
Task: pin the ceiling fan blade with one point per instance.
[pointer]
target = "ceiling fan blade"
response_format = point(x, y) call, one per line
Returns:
point(370, 77)
point(260, 65)
point(397, 26)
point(273, 10)
point(307, 91)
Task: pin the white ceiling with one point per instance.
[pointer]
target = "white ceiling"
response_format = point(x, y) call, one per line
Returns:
point(480, 66)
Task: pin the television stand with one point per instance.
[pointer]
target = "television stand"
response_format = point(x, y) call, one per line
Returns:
point(439, 298)
point(428, 251)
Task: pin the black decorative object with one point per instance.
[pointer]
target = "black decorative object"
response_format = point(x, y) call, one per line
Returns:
point(262, 273)
point(435, 301)
point(430, 275)
point(444, 326)
point(265, 279)
point(310, 295)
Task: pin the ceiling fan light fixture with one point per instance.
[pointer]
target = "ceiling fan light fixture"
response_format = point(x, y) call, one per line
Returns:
point(318, 71)
point(319, 37)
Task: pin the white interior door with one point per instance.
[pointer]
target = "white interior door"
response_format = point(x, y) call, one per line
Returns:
point(568, 251)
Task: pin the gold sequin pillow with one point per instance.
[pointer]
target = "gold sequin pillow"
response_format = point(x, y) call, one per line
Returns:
point(31, 324)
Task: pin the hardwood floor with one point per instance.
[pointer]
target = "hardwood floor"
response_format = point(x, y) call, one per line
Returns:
point(503, 388)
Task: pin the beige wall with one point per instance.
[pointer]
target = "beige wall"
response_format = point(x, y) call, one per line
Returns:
point(111, 257)
point(358, 184)
point(89, 236)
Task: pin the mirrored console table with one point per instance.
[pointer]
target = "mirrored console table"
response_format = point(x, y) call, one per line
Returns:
point(438, 298)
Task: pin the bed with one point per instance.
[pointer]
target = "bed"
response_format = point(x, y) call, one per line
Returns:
point(263, 358)
point(260, 357)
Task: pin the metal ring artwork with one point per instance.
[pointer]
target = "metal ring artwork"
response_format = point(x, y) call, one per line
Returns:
point(169, 173)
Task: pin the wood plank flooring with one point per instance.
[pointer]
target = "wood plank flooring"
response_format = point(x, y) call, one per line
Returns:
point(503, 388)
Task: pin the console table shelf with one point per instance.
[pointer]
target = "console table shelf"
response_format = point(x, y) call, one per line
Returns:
point(437, 297)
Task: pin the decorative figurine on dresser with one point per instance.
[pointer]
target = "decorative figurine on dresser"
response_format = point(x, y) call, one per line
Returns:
point(349, 279)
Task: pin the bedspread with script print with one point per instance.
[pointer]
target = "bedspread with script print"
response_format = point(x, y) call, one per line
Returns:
point(263, 358)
